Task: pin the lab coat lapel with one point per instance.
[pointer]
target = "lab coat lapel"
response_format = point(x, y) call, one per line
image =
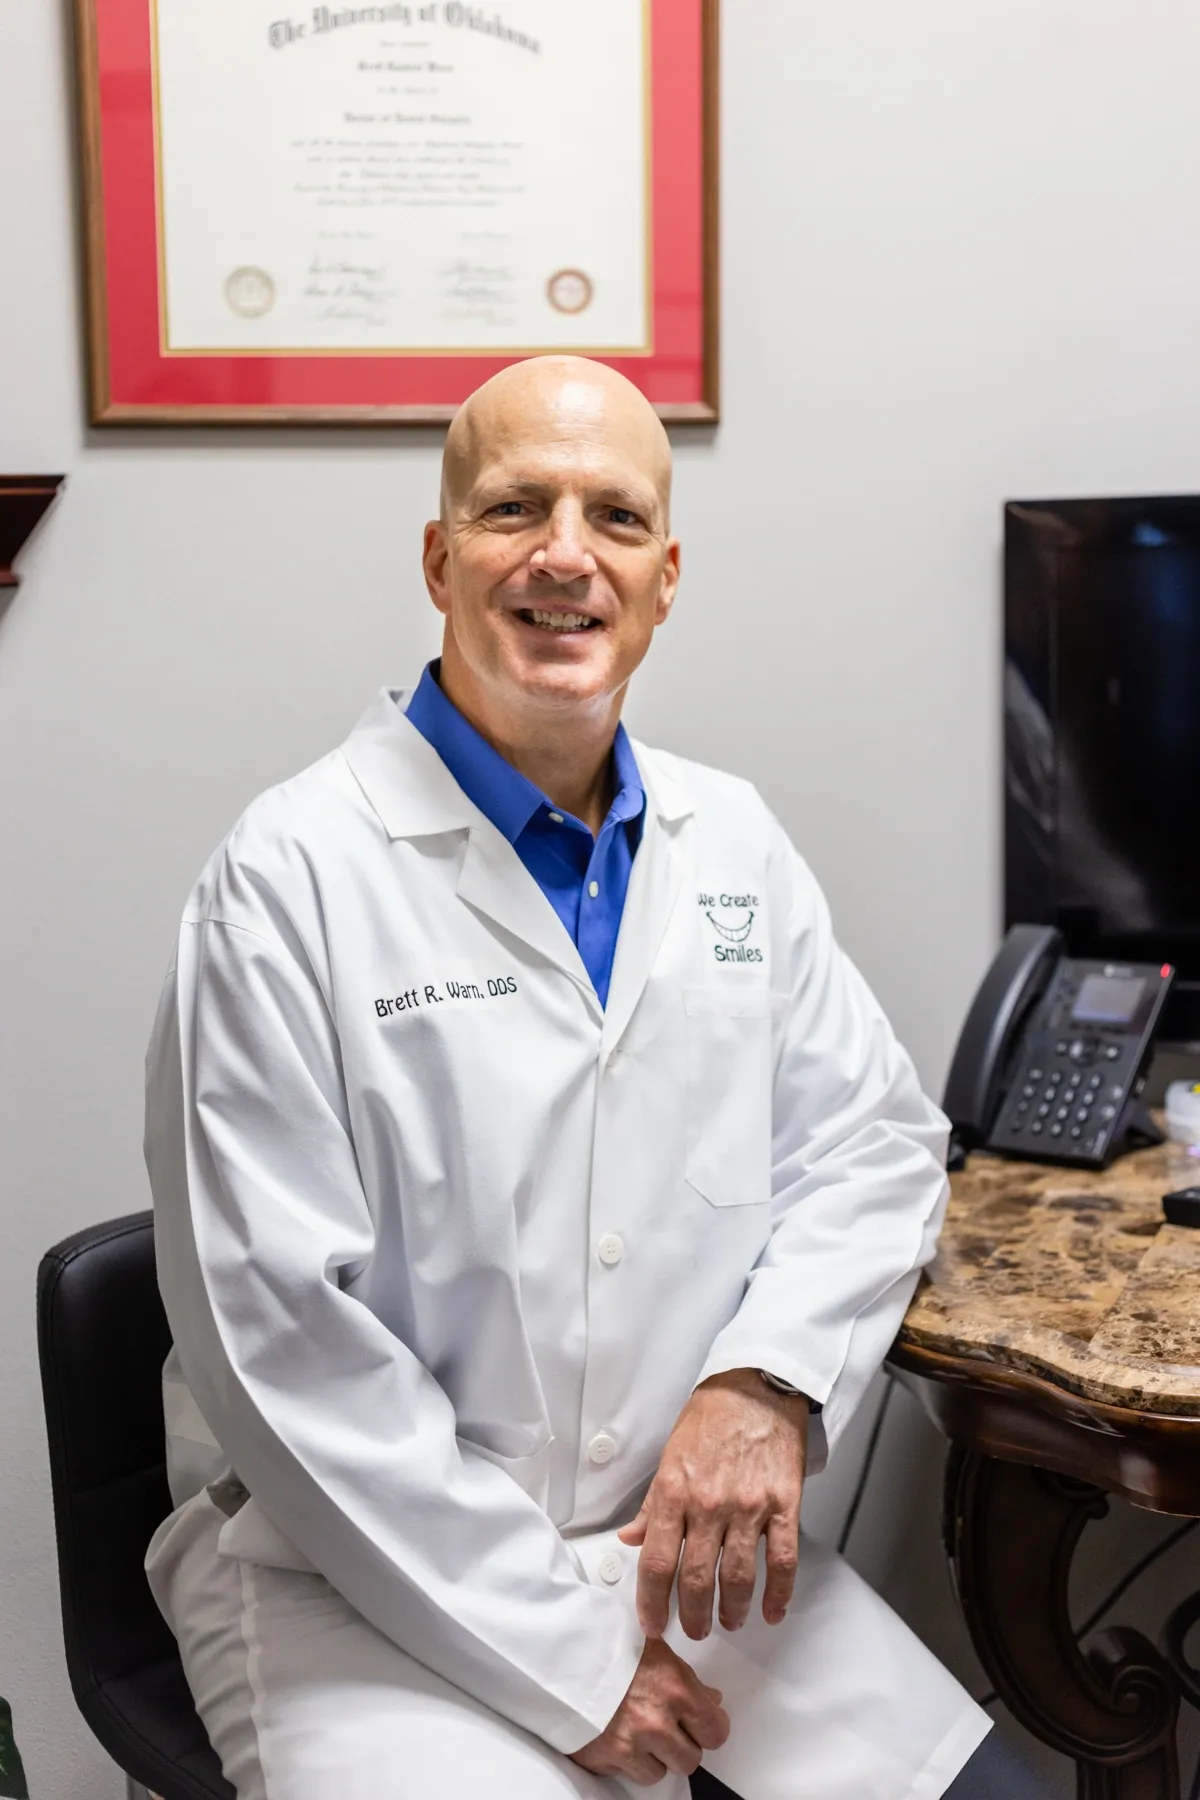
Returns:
point(654, 886)
point(495, 882)
point(415, 795)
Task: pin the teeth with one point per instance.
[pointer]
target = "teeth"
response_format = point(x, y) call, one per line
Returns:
point(556, 621)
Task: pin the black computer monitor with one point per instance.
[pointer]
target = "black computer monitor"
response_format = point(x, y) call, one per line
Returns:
point(1102, 732)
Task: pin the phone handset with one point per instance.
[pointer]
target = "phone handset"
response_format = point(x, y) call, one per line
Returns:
point(1019, 976)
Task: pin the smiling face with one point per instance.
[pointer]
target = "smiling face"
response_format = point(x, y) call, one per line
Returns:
point(552, 561)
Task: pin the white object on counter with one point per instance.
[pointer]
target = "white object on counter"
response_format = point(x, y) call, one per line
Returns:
point(1183, 1111)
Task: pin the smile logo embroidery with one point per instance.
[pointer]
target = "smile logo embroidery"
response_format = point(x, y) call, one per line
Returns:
point(732, 934)
point(732, 917)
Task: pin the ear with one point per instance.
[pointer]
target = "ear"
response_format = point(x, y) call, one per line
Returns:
point(434, 558)
point(670, 581)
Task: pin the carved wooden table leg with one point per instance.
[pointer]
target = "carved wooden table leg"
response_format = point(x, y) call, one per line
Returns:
point(1011, 1532)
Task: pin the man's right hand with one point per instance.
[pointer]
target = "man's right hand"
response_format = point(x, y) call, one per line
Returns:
point(666, 1719)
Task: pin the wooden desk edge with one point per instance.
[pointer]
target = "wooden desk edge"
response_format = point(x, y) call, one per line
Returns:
point(1152, 1459)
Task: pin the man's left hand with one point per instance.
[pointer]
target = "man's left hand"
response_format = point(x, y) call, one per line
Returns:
point(732, 1472)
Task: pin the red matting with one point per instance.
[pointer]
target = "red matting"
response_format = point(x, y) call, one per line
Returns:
point(131, 379)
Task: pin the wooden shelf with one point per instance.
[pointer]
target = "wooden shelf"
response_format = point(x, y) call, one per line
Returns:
point(23, 500)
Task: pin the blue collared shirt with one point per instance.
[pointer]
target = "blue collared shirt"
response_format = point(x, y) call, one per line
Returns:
point(585, 879)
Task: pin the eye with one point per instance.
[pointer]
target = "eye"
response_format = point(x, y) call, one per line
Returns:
point(509, 509)
point(621, 515)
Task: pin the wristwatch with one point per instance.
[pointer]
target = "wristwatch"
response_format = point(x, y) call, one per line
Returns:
point(785, 1387)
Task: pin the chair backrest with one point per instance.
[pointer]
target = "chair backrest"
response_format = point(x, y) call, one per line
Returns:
point(102, 1338)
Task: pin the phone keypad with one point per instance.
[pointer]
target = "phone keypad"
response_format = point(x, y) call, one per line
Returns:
point(1067, 1093)
point(1068, 1097)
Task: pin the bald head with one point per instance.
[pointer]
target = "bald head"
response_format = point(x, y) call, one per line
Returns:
point(545, 401)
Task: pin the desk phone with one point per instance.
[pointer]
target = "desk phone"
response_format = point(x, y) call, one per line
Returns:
point(1052, 1058)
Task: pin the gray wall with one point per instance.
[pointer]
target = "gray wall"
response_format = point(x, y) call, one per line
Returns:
point(961, 264)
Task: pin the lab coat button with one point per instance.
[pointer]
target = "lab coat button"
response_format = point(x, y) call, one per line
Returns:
point(602, 1448)
point(593, 888)
point(611, 1568)
point(611, 1248)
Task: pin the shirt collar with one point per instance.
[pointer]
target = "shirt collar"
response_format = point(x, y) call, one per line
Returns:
point(501, 792)
point(414, 795)
point(629, 795)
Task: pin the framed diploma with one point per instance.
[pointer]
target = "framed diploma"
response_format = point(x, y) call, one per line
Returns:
point(357, 213)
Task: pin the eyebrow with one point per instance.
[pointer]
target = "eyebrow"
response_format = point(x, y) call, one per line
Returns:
point(614, 494)
point(644, 502)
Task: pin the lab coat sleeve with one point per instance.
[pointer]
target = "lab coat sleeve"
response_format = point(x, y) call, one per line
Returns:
point(859, 1187)
point(340, 1434)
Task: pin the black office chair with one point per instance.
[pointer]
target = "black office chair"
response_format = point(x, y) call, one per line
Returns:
point(102, 1337)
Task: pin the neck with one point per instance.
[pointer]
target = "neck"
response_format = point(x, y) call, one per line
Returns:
point(566, 752)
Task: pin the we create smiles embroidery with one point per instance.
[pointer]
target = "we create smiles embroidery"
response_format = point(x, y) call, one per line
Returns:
point(732, 919)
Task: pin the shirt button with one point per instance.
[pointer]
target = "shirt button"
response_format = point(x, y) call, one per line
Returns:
point(593, 888)
point(602, 1448)
point(611, 1568)
point(556, 818)
point(611, 1248)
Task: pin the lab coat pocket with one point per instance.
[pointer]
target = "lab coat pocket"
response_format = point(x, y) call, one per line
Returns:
point(728, 1113)
point(531, 1473)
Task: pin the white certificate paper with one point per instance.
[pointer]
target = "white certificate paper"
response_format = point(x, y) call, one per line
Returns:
point(426, 177)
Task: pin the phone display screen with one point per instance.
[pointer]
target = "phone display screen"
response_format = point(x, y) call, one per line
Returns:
point(1108, 999)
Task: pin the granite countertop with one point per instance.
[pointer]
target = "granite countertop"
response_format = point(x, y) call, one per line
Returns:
point(1073, 1276)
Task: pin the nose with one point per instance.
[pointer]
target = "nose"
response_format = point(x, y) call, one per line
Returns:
point(565, 555)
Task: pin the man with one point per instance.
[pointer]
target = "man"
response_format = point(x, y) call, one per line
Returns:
point(529, 1168)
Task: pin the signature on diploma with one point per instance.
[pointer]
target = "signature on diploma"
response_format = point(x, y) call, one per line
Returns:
point(355, 291)
point(334, 269)
point(477, 290)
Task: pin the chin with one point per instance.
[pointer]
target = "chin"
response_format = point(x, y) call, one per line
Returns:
point(563, 686)
point(563, 680)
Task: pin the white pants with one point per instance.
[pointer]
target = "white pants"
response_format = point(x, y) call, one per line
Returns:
point(304, 1700)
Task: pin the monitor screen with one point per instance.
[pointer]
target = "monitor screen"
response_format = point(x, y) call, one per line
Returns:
point(1102, 728)
point(1127, 716)
point(1108, 999)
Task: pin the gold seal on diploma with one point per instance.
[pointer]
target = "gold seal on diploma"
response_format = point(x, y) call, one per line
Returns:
point(250, 292)
point(570, 291)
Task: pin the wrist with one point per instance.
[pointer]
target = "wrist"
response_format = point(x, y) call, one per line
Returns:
point(762, 1385)
point(778, 1386)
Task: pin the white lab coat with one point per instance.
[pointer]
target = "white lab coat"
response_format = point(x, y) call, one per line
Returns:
point(445, 1246)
